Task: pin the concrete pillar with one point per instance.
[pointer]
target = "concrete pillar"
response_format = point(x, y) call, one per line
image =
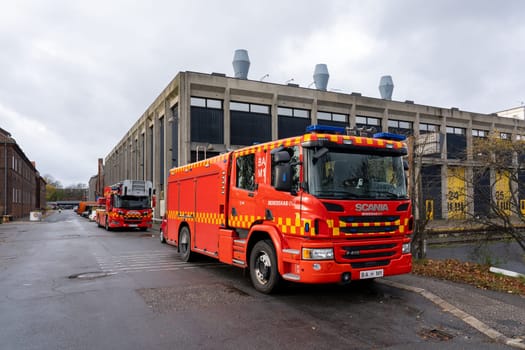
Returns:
point(275, 116)
point(227, 118)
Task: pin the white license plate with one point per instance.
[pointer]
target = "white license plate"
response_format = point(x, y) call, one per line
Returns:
point(371, 274)
point(133, 225)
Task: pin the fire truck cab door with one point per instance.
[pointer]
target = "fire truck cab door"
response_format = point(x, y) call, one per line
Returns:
point(243, 209)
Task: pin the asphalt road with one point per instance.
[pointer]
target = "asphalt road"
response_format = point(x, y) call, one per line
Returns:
point(67, 284)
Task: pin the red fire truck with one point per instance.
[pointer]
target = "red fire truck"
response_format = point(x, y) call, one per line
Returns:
point(323, 207)
point(127, 205)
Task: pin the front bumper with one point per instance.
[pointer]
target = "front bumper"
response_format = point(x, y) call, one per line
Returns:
point(330, 271)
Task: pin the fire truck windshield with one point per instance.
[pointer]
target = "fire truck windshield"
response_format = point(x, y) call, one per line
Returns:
point(131, 202)
point(344, 174)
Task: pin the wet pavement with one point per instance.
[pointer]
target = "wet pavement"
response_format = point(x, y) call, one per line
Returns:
point(67, 284)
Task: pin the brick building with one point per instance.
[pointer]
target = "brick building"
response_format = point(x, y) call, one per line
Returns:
point(22, 188)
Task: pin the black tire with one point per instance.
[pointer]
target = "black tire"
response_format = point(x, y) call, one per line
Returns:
point(106, 226)
point(185, 244)
point(161, 236)
point(264, 271)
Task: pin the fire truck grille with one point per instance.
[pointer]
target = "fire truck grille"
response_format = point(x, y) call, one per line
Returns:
point(369, 253)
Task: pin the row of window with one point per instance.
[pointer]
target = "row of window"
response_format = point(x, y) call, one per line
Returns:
point(20, 197)
point(20, 167)
point(361, 121)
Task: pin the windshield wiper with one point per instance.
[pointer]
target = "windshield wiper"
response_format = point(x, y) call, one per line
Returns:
point(385, 194)
point(336, 194)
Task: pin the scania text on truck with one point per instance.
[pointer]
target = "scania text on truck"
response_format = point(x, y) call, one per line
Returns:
point(127, 205)
point(323, 207)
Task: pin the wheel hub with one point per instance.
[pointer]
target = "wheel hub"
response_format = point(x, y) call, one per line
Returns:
point(263, 268)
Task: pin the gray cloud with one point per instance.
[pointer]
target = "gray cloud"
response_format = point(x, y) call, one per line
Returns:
point(76, 75)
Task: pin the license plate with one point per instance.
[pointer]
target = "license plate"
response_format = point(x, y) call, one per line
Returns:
point(371, 274)
point(133, 225)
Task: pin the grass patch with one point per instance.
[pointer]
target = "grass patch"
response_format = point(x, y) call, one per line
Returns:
point(471, 273)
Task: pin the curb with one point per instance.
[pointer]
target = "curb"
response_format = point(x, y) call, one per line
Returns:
point(462, 315)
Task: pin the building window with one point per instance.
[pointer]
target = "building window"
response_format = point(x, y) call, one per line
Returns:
point(238, 106)
point(293, 112)
point(456, 143)
point(505, 136)
point(249, 123)
point(249, 107)
point(455, 131)
point(368, 121)
point(207, 120)
point(292, 121)
point(400, 127)
point(425, 128)
point(206, 102)
point(479, 133)
point(335, 117)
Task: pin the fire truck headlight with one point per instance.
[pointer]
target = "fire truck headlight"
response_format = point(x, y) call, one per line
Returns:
point(318, 253)
point(406, 248)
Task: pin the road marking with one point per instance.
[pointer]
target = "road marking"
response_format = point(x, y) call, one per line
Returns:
point(462, 315)
point(147, 261)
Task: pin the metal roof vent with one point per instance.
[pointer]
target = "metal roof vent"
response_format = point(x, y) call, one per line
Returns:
point(321, 76)
point(386, 87)
point(241, 64)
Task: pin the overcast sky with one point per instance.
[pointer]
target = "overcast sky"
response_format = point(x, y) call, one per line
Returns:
point(75, 75)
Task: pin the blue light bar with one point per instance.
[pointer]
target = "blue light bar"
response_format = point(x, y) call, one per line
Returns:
point(327, 129)
point(389, 136)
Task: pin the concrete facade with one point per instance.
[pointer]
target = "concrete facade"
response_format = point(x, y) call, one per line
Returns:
point(22, 188)
point(162, 137)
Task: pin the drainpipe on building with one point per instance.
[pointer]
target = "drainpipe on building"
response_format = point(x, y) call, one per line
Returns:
point(5, 176)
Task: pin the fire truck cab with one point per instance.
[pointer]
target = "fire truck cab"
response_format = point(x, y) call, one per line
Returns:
point(319, 208)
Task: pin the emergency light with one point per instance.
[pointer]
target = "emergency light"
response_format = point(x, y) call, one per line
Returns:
point(389, 136)
point(327, 129)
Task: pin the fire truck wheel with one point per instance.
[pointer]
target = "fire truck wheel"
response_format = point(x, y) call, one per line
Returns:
point(263, 267)
point(184, 244)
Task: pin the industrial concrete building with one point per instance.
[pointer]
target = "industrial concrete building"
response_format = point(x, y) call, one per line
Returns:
point(200, 115)
point(22, 188)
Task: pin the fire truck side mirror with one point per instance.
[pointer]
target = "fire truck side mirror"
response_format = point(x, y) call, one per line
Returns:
point(281, 157)
point(282, 180)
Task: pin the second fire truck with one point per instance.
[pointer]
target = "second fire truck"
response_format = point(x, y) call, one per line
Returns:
point(323, 207)
point(128, 204)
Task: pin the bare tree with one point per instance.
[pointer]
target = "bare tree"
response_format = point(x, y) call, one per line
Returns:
point(497, 199)
point(420, 147)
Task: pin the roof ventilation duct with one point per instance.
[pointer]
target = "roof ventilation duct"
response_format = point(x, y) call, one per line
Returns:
point(321, 76)
point(386, 87)
point(241, 64)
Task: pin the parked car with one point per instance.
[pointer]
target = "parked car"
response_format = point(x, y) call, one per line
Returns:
point(92, 216)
